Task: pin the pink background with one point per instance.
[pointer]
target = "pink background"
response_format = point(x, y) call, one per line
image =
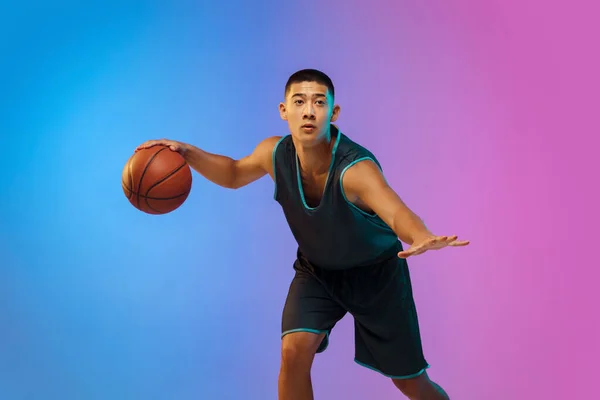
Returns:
point(484, 115)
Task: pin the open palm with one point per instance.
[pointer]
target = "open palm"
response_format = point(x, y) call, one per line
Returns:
point(432, 243)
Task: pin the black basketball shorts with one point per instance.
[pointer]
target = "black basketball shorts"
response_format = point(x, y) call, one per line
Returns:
point(379, 297)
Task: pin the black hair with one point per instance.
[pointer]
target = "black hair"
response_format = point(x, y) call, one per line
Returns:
point(310, 75)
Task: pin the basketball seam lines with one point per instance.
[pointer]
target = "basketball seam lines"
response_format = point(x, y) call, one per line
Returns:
point(158, 182)
point(130, 178)
point(154, 198)
point(161, 180)
point(144, 172)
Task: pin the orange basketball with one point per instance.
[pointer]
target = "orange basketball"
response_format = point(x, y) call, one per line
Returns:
point(156, 180)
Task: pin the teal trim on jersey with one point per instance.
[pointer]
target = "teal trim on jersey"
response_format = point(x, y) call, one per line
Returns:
point(391, 376)
point(333, 151)
point(342, 186)
point(315, 331)
point(274, 170)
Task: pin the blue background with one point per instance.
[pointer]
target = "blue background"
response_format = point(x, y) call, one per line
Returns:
point(467, 108)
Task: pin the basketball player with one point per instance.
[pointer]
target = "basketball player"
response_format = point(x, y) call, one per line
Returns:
point(347, 222)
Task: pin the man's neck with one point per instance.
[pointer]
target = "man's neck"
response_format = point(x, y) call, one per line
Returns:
point(316, 159)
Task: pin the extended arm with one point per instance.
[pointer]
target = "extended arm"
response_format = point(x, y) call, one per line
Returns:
point(365, 184)
point(222, 170)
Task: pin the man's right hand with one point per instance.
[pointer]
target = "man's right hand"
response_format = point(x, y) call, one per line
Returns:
point(223, 170)
point(171, 144)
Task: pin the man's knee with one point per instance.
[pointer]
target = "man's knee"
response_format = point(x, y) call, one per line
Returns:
point(419, 387)
point(298, 349)
point(410, 387)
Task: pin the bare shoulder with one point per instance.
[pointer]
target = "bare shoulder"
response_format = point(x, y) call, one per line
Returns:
point(365, 169)
point(263, 153)
point(267, 145)
point(360, 177)
point(264, 150)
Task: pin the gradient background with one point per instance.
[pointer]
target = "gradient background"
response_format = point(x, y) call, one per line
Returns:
point(484, 115)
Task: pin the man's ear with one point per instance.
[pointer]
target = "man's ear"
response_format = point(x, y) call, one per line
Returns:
point(336, 113)
point(282, 111)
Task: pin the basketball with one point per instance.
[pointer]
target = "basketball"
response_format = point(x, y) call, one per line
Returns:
point(156, 180)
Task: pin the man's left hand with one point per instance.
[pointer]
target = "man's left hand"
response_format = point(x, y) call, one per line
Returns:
point(422, 245)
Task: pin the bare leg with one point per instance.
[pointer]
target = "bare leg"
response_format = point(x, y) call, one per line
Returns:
point(298, 351)
point(421, 388)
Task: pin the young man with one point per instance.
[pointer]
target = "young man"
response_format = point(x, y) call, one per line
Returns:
point(347, 221)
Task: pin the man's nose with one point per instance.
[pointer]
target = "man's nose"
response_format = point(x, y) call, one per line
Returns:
point(309, 112)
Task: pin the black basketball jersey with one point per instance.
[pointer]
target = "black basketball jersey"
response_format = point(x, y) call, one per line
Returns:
point(335, 234)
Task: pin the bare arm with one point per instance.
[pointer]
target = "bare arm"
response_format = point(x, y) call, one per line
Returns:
point(222, 170)
point(364, 184)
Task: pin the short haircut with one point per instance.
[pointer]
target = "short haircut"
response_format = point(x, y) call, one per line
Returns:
point(310, 75)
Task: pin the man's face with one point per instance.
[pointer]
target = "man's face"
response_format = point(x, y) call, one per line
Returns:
point(309, 110)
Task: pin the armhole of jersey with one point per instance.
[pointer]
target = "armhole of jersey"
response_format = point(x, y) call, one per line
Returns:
point(274, 169)
point(342, 185)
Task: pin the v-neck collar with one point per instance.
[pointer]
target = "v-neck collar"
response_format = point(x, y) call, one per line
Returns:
point(300, 187)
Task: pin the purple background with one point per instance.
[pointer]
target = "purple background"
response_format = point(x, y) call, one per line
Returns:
point(484, 115)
